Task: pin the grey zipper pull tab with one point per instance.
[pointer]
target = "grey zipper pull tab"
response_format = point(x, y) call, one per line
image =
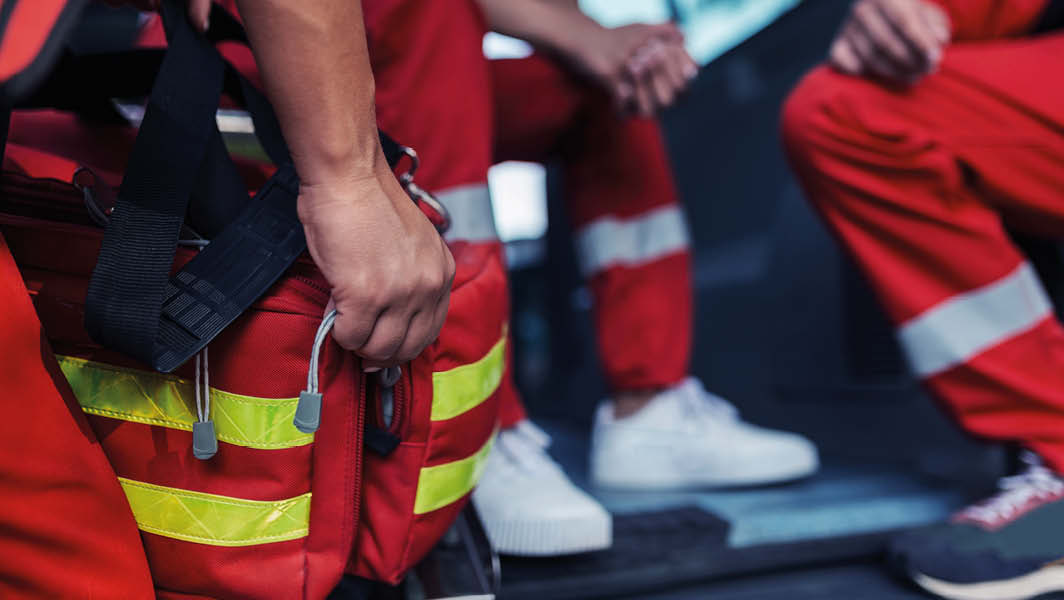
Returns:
point(308, 411)
point(204, 440)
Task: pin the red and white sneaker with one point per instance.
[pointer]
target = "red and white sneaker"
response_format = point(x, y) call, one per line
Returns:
point(1008, 547)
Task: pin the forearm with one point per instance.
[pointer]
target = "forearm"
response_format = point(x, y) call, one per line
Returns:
point(552, 25)
point(989, 19)
point(315, 66)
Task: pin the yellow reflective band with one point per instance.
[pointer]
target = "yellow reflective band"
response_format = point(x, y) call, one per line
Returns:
point(215, 520)
point(168, 401)
point(443, 484)
point(464, 388)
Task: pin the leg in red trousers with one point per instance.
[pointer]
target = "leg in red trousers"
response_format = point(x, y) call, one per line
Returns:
point(662, 429)
point(66, 530)
point(631, 234)
point(919, 185)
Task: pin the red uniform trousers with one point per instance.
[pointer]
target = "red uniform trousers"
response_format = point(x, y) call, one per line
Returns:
point(437, 93)
point(65, 527)
point(919, 184)
point(630, 231)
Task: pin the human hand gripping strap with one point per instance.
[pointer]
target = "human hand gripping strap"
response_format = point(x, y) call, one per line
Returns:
point(132, 304)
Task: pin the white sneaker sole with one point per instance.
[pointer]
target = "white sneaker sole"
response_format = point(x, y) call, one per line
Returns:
point(661, 479)
point(1050, 579)
point(555, 538)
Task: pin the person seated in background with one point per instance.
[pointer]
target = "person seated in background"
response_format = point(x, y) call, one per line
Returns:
point(936, 127)
point(589, 99)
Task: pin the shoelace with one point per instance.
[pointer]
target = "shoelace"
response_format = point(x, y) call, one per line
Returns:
point(1036, 482)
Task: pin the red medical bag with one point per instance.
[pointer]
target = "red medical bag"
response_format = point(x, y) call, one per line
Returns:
point(278, 510)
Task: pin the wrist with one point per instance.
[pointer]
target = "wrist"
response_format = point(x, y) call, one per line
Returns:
point(345, 188)
point(339, 160)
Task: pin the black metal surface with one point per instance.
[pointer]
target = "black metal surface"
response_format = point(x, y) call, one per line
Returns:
point(660, 550)
point(861, 580)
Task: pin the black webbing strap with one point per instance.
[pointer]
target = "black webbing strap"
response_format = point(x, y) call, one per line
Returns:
point(132, 305)
point(126, 292)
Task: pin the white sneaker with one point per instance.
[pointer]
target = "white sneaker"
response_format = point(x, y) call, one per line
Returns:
point(687, 437)
point(528, 505)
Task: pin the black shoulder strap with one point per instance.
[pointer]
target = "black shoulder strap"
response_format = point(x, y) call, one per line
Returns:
point(132, 305)
point(126, 292)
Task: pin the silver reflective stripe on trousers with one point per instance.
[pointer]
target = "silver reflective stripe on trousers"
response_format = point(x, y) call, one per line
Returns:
point(470, 210)
point(610, 241)
point(965, 325)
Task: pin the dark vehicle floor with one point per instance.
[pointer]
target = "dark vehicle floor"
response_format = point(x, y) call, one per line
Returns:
point(797, 537)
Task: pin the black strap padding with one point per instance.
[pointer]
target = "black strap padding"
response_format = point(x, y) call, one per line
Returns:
point(132, 305)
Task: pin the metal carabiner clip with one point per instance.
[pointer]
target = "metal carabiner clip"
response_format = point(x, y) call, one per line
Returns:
point(442, 222)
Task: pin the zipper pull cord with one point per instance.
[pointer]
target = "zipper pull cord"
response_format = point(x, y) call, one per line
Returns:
point(204, 439)
point(387, 378)
point(308, 411)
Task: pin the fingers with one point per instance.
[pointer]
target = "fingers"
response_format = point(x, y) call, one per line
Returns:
point(424, 329)
point(872, 62)
point(398, 338)
point(843, 57)
point(642, 96)
point(199, 12)
point(885, 40)
point(917, 32)
point(654, 71)
point(937, 21)
point(403, 329)
point(658, 73)
point(353, 327)
point(663, 91)
point(388, 336)
point(623, 94)
point(897, 40)
point(678, 67)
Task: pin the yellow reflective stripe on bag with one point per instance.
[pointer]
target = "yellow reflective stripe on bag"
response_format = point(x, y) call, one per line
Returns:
point(443, 484)
point(215, 520)
point(168, 401)
point(463, 388)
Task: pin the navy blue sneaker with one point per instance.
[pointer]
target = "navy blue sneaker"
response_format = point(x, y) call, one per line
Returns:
point(1008, 547)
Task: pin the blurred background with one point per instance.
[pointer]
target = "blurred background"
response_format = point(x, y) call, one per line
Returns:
point(786, 328)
